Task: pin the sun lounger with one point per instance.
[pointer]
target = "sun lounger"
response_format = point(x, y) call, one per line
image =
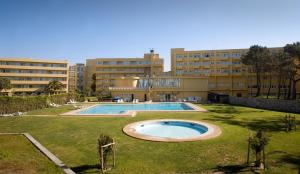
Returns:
point(54, 105)
point(71, 101)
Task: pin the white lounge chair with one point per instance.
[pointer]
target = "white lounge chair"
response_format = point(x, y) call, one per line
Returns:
point(18, 114)
point(54, 105)
point(120, 100)
point(71, 101)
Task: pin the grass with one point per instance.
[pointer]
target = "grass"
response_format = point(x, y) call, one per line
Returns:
point(52, 111)
point(74, 141)
point(18, 155)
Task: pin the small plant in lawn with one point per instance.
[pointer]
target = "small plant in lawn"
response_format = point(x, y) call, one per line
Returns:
point(290, 122)
point(257, 143)
point(106, 150)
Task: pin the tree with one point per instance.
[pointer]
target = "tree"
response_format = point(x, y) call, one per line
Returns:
point(256, 58)
point(280, 62)
point(5, 84)
point(294, 51)
point(54, 86)
point(269, 70)
point(93, 85)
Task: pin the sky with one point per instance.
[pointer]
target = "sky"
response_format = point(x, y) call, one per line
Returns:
point(81, 29)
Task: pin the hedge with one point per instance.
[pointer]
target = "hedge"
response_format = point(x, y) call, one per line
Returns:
point(9, 105)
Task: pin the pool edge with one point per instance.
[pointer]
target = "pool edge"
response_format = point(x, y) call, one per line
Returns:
point(213, 131)
point(132, 113)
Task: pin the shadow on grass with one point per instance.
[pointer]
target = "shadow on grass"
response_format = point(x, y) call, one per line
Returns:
point(291, 159)
point(234, 169)
point(230, 109)
point(279, 158)
point(255, 124)
point(86, 168)
point(285, 158)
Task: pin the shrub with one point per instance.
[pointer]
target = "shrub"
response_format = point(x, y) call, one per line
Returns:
point(9, 105)
point(257, 144)
point(80, 97)
point(105, 150)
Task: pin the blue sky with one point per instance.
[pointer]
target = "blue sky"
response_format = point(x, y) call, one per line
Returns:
point(80, 29)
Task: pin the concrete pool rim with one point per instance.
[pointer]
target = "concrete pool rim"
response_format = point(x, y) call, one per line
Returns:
point(131, 113)
point(212, 132)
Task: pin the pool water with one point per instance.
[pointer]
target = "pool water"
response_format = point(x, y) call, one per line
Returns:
point(171, 129)
point(121, 108)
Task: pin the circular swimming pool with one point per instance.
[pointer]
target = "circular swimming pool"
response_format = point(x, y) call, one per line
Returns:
point(172, 130)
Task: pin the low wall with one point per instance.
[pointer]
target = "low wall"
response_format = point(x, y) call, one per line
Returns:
point(270, 104)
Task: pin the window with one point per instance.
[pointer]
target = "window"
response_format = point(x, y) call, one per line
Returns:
point(179, 56)
point(197, 55)
point(179, 64)
point(179, 72)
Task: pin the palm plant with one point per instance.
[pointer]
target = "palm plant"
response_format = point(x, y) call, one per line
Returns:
point(54, 87)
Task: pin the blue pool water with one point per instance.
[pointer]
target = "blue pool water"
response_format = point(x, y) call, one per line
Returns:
point(171, 129)
point(121, 108)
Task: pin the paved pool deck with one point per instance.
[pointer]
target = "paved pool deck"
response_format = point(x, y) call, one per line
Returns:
point(131, 113)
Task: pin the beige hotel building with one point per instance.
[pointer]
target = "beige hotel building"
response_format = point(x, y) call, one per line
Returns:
point(30, 76)
point(143, 79)
point(107, 70)
point(223, 68)
point(225, 72)
point(76, 77)
point(193, 76)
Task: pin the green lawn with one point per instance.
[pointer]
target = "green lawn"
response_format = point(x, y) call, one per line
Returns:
point(74, 141)
point(52, 111)
point(18, 156)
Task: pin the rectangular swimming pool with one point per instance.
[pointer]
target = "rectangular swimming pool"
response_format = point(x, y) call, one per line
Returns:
point(116, 109)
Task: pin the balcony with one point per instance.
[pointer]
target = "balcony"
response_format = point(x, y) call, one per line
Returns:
point(31, 75)
point(158, 63)
point(179, 59)
point(19, 82)
point(125, 88)
point(30, 89)
point(33, 67)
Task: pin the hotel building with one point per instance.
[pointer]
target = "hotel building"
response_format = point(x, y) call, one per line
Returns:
point(32, 75)
point(194, 74)
point(107, 70)
point(162, 88)
point(76, 77)
point(223, 68)
point(225, 72)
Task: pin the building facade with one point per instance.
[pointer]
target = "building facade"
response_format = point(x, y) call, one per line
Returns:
point(163, 88)
point(76, 77)
point(29, 76)
point(225, 72)
point(194, 74)
point(104, 71)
